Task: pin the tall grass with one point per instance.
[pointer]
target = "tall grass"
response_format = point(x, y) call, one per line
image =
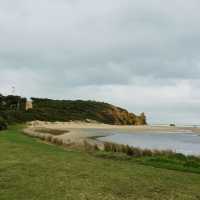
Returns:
point(128, 150)
point(90, 147)
point(134, 151)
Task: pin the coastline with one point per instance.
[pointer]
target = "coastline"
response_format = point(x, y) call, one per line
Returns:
point(77, 132)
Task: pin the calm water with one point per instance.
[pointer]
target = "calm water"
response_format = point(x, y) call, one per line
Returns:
point(186, 143)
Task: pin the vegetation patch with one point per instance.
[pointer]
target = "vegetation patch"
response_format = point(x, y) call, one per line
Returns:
point(3, 124)
point(155, 158)
point(188, 163)
point(51, 131)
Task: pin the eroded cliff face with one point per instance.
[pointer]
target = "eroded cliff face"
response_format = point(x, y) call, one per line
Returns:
point(119, 116)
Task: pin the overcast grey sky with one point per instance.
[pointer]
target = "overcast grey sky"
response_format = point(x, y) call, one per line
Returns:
point(143, 55)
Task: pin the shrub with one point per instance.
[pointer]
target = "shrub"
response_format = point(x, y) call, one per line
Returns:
point(137, 152)
point(147, 152)
point(107, 146)
point(129, 151)
point(3, 123)
point(90, 147)
point(48, 138)
point(59, 141)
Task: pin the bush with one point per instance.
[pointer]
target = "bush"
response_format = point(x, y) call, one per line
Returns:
point(3, 124)
point(137, 152)
point(90, 147)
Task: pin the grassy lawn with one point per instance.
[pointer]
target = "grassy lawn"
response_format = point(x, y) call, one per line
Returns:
point(30, 169)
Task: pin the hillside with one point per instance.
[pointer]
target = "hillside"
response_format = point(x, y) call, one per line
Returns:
point(66, 110)
point(13, 109)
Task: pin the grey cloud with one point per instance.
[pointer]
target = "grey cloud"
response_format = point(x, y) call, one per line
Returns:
point(79, 44)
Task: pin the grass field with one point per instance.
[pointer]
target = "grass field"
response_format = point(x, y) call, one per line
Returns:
point(32, 170)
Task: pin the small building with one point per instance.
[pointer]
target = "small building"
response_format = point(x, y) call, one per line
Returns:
point(29, 105)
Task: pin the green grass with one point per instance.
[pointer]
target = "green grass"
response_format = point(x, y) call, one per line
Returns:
point(177, 162)
point(161, 159)
point(32, 170)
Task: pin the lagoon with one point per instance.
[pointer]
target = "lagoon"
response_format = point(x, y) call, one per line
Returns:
point(187, 143)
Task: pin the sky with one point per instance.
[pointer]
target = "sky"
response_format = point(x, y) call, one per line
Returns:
point(142, 55)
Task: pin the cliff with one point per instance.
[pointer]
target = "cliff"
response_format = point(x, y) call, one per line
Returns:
point(66, 110)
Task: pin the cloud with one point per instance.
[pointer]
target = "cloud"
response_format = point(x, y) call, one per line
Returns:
point(143, 55)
